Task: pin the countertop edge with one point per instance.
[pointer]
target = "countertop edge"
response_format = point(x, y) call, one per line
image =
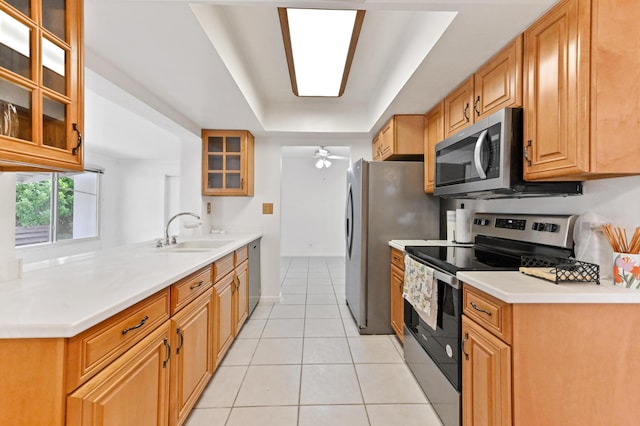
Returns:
point(515, 287)
point(67, 329)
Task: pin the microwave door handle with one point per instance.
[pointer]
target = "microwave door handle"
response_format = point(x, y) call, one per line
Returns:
point(477, 161)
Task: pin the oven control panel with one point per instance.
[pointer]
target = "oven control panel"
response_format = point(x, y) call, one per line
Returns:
point(519, 224)
point(555, 230)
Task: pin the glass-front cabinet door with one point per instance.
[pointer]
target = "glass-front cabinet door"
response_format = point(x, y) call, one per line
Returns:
point(41, 91)
point(227, 162)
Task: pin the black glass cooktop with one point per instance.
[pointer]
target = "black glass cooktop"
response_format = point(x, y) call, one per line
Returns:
point(491, 254)
point(454, 259)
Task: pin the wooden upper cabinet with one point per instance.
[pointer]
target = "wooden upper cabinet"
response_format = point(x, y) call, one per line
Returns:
point(41, 85)
point(495, 85)
point(227, 162)
point(458, 108)
point(581, 91)
point(400, 138)
point(433, 133)
point(556, 92)
point(375, 148)
point(498, 83)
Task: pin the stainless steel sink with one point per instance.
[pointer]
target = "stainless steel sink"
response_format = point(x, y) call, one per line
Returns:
point(195, 246)
point(201, 244)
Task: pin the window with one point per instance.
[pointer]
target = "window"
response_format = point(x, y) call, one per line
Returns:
point(54, 207)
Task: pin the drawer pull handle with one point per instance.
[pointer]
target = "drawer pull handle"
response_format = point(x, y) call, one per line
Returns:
point(479, 309)
point(466, 337)
point(199, 284)
point(166, 360)
point(179, 332)
point(138, 325)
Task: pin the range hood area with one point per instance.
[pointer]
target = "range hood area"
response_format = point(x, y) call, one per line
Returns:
point(524, 190)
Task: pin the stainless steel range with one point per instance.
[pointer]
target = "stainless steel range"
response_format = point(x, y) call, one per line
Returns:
point(434, 355)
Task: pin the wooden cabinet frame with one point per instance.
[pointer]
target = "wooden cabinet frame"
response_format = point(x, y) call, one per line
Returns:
point(20, 154)
point(242, 167)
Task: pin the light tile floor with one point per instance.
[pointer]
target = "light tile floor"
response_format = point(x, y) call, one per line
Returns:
point(303, 362)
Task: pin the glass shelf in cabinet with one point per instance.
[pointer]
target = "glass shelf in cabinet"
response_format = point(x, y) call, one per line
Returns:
point(215, 144)
point(216, 162)
point(233, 180)
point(233, 144)
point(15, 111)
point(233, 162)
point(215, 180)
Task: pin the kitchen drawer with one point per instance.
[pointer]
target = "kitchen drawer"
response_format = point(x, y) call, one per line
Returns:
point(92, 350)
point(241, 255)
point(187, 289)
point(397, 258)
point(222, 267)
point(491, 313)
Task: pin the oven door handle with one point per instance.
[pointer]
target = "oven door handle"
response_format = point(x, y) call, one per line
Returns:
point(450, 280)
point(477, 161)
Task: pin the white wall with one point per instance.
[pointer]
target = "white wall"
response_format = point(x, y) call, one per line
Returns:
point(616, 199)
point(238, 213)
point(313, 205)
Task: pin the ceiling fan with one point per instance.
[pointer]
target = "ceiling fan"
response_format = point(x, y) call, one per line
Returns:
point(324, 156)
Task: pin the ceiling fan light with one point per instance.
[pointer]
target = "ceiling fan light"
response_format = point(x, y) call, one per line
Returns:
point(319, 163)
point(326, 162)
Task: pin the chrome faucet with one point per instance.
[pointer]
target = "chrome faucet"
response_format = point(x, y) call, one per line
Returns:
point(166, 230)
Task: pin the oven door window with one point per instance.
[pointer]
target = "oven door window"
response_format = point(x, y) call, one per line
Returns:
point(442, 344)
point(474, 158)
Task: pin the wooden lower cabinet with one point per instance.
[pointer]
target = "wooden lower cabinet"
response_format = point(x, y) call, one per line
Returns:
point(564, 364)
point(223, 314)
point(133, 390)
point(486, 377)
point(192, 365)
point(397, 301)
point(396, 290)
point(241, 296)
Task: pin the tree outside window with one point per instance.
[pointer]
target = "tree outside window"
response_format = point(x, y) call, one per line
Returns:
point(56, 206)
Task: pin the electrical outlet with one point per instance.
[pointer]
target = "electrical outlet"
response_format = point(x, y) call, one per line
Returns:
point(267, 208)
point(208, 208)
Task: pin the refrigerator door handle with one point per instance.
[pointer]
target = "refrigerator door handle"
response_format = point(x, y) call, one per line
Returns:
point(349, 223)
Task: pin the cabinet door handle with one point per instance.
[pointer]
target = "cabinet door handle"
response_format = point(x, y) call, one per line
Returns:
point(138, 325)
point(526, 152)
point(168, 347)
point(242, 183)
point(181, 336)
point(74, 151)
point(466, 337)
point(465, 112)
point(199, 284)
point(479, 309)
point(475, 106)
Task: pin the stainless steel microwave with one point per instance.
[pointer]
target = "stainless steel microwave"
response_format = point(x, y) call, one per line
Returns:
point(485, 161)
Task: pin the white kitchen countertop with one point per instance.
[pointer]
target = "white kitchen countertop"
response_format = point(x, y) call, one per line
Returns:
point(515, 287)
point(66, 296)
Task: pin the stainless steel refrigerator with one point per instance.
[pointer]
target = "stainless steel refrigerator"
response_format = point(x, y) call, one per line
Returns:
point(385, 201)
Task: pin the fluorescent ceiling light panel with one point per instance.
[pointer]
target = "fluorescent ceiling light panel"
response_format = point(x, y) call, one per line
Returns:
point(320, 44)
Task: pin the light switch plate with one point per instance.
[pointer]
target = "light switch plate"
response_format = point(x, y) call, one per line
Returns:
point(267, 208)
